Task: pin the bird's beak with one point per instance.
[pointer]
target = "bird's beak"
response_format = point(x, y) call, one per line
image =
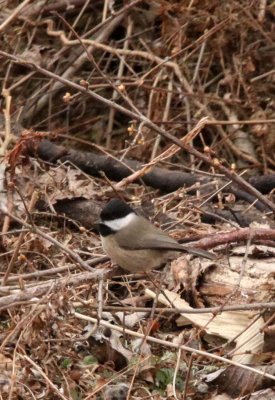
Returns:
point(96, 225)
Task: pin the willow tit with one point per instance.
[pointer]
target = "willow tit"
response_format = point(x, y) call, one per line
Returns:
point(133, 243)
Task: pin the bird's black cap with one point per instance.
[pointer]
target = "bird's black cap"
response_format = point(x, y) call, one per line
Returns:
point(115, 209)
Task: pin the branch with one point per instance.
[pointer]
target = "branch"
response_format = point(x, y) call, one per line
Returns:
point(215, 163)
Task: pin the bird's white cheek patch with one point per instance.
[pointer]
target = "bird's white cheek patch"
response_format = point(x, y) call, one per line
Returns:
point(120, 223)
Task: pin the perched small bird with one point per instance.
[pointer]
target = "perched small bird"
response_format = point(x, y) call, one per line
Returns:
point(135, 244)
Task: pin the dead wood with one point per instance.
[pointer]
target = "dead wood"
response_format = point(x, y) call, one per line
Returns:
point(238, 382)
point(237, 236)
point(58, 6)
point(158, 178)
point(175, 100)
point(84, 211)
point(236, 215)
point(51, 286)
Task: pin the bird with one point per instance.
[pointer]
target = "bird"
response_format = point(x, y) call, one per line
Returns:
point(134, 243)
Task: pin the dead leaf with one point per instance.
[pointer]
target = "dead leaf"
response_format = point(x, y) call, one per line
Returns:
point(118, 391)
point(237, 381)
point(231, 325)
point(267, 394)
point(7, 368)
point(222, 396)
point(65, 183)
point(5, 363)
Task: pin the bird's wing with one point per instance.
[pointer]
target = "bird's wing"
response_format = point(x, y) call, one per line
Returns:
point(159, 240)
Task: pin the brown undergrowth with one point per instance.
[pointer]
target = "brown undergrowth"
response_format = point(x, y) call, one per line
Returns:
point(170, 106)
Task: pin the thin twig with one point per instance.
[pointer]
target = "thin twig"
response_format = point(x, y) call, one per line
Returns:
point(13, 15)
point(34, 229)
point(213, 162)
point(42, 373)
point(175, 346)
point(19, 240)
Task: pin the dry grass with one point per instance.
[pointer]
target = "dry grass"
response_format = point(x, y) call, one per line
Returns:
point(172, 64)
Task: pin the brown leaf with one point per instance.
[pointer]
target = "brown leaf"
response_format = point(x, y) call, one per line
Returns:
point(237, 381)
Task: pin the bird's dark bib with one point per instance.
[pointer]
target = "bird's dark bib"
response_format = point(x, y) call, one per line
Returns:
point(105, 230)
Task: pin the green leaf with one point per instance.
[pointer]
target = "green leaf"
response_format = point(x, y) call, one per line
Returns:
point(88, 360)
point(66, 363)
point(164, 376)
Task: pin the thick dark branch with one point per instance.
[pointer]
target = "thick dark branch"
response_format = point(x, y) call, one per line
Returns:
point(158, 178)
point(238, 180)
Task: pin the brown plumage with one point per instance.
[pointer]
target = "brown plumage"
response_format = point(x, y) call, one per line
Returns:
point(134, 243)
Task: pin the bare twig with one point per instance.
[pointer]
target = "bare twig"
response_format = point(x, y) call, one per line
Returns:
point(59, 245)
point(213, 162)
point(175, 346)
point(30, 294)
point(214, 310)
point(13, 15)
